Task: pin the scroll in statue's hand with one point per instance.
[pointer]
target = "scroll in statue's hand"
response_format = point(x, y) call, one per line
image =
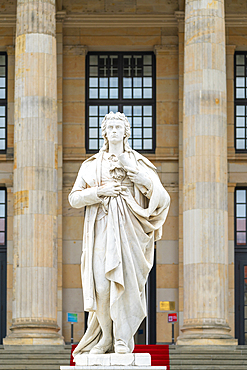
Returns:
point(138, 177)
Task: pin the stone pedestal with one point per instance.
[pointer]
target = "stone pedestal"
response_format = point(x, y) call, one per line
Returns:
point(35, 178)
point(205, 210)
point(133, 361)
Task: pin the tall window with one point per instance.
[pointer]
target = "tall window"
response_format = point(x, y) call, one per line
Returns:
point(122, 82)
point(240, 217)
point(241, 101)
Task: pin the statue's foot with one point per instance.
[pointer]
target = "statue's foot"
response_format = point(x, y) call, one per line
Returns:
point(100, 349)
point(121, 347)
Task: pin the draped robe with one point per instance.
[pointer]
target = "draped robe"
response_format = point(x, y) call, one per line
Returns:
point(134, 222)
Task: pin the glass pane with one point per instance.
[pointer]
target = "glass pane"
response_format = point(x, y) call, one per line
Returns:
point(93, 110)
point(93, 71)
point(137, 110)
point(137, 93)
point(137, 144)
point(147, 144)
point(147, 82)
point(2, 121)
point(127, 110)
point(127, 60)
point(245, 325)
point(113, 108)
point(113, 93)
point(2, 93)
point(2, 59)
point(137, 132)
point(101, 142)
point(2, 238)
point(240, 82)
point(147, 71)
point(93, 132)
point(2, 224)
point(127, 82)
point(2, 111)
point(147, 110)
point(240, 110)
point(93, 59)
point(2, 196)
point(137, 121)
point(127, 93)
point(241, 238)
point(147, 94)
point(127, 72)
point(2, 210)
point(239, 59)
point(93, 82)
point(241, 196)
point(2, 71)
point(240, 132)
point(137, 82)
point(93, 121)
point(147, 133)
point(240, 94)
point(103, 82)
point(240, 144)
point(147, 59)
point(240, 121)
point(93, 93)
point(147, 121)
point(241, 210)
point(103, 110)
point(240, 71)
point(93, 144)
point(103, 93)
point(2, 144)
point(113, 82)
point(245, 311)
point(241, 224)
point(2, 133)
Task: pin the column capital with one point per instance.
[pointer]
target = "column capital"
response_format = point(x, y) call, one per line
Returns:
point(10, 49)
point(75, 50)
point(60, 16)
point(230, 49)
point(165, 49)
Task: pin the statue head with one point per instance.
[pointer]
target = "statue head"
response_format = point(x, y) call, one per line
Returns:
point(124, 120)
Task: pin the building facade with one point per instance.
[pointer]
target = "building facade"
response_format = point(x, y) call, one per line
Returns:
point(178, 70)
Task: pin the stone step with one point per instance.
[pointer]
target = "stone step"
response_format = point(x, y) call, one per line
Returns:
point(206, 367)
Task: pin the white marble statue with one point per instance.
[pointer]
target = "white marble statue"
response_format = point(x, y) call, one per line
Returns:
point(126, 206)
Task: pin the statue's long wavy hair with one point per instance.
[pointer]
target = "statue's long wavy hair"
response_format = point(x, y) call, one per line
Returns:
point(115, 116)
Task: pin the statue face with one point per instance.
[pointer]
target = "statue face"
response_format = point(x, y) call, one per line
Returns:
point(115, 131)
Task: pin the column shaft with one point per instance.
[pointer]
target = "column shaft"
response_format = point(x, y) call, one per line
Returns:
point(35, 177)
point(205, 213)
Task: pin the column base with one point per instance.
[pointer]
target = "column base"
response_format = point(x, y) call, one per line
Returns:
point(34, 334)
point(206, 342)
point(206, 332)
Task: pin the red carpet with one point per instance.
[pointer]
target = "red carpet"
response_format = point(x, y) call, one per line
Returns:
point(159, 354)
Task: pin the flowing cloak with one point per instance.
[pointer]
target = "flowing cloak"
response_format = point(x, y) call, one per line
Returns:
point(134, 223)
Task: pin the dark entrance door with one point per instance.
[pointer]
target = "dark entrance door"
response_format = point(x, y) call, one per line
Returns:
point(241, 297)
point(3, 285)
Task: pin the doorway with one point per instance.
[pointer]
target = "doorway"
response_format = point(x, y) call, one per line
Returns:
point(3, 295)
point(241, 297)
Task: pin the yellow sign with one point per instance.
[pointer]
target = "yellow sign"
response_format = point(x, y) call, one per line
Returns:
point(167, 306)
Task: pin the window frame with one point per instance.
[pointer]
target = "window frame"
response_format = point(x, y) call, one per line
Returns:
point(238, 101)
point(4, 247)
point(239, 246)
point(120, 102)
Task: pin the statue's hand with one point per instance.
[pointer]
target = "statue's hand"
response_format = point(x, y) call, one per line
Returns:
point(109, 190)
point(138, 177)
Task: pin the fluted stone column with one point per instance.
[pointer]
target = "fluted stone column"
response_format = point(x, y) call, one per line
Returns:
point(205, 214)
point(35, 177)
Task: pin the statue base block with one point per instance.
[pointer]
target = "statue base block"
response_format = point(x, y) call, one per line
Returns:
point(110, 361)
